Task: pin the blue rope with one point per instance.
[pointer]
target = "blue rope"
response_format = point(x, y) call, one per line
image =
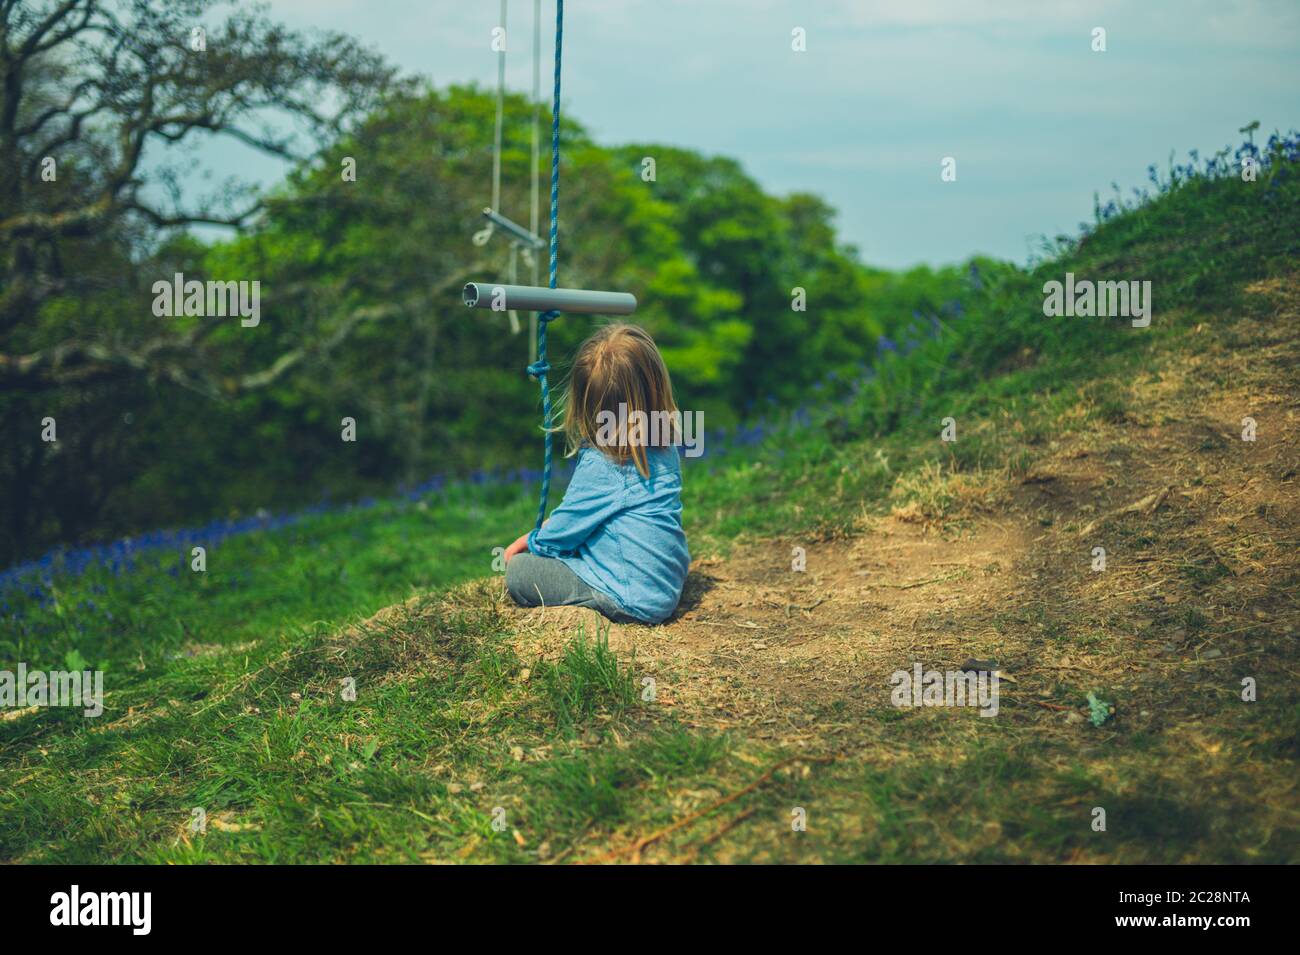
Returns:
point(539, 368)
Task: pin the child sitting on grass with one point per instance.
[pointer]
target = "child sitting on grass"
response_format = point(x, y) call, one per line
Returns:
point(615, 543)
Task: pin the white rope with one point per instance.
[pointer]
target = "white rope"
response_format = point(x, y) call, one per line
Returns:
point(501, 96)
point(535, 215)
point(484, 235)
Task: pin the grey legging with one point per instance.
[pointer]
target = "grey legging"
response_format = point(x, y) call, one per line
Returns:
point(535, 581)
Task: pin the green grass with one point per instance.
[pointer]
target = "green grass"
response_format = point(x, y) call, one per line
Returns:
point(225, 688)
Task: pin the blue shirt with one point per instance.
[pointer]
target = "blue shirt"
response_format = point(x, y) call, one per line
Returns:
point(622, 533)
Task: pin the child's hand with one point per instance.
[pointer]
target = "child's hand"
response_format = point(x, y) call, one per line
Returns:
point(520, 546)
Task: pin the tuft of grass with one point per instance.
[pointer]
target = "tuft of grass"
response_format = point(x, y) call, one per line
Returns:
point(586, 680)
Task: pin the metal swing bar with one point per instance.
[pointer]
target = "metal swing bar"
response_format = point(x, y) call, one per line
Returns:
point(534, 298)
point(540, 299)
point(516, 231)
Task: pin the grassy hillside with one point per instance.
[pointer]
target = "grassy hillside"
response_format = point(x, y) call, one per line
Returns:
point(771, 687)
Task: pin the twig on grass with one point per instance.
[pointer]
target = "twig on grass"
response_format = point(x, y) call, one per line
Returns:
point(812, 606)
point(722, 830)
point(1146, 506)
point(1053, 706)
point(635, 848)
point(920, 583)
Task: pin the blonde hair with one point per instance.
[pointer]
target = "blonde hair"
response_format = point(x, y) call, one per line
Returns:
point(617, 366)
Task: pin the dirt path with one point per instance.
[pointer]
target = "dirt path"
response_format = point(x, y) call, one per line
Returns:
point(1201, 531)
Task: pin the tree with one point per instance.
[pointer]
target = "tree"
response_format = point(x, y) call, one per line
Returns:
point(94, 97)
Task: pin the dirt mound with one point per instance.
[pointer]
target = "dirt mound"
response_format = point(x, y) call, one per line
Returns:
point(1200, 531)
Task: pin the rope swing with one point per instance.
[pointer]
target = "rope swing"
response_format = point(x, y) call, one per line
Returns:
point(540, 368)
point(522, 240)
point(550, 301)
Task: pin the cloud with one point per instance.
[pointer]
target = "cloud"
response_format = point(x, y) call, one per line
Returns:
point(887, 87)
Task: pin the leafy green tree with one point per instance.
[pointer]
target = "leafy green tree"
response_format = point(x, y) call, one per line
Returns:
point(95, 95)
point(88, 89)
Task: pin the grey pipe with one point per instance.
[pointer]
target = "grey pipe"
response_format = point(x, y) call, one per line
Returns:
point(514, 228)
point(531, 298)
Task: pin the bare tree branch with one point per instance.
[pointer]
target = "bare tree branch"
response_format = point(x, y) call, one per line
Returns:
point(97, 85)
point(175, 358)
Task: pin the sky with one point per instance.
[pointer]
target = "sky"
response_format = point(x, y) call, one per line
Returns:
point(885, 90)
